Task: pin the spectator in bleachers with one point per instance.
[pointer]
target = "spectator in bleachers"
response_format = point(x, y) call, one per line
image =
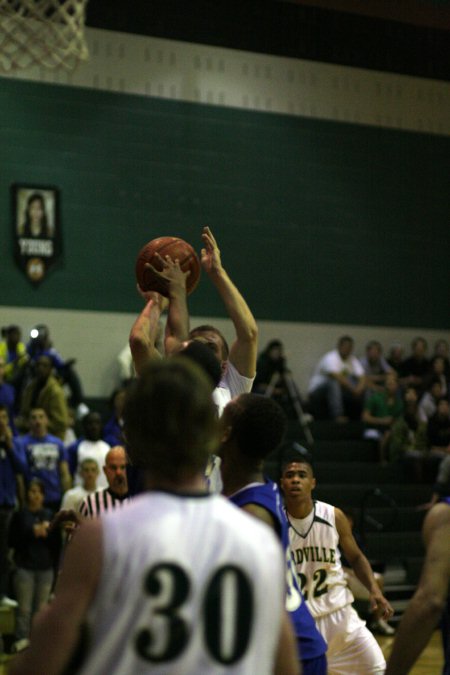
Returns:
point(437, 372)
point(441, 350)
point(395, 356)
point(44, 457)
point(14, 353)
point(408, 442)
point(40, 344)
point(429, 400)
point(414, 369)
point(438, 428)
point(274, 379)
point(89, 474)
point(112, 429)
point(7, 391)
point(338, 384)
point(34, 557)
point(381, 410)
point(89, 446)
point(12, 490)
point(375, 366)
point(44, 391)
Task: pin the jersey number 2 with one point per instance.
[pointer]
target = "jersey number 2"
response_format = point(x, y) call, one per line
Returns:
point(227, 613)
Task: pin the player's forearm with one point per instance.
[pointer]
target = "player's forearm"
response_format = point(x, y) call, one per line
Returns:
point(51, 647)
point(177, 326)
point(237, 309)
point(416, 627)
point(363, 571)
point(143, 336)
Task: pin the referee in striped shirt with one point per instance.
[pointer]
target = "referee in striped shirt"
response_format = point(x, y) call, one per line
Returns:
point(116, 494)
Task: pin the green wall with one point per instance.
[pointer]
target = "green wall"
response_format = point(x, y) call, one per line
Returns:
point(318, 221)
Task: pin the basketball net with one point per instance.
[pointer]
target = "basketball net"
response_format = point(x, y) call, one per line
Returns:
point(49, 33)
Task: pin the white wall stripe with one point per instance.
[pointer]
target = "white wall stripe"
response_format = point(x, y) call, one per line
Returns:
point(169, 69)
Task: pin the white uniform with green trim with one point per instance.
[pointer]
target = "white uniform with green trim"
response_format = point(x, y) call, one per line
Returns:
point(314, 541)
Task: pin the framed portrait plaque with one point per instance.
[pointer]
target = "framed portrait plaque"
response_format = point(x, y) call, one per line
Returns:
point(36, 229)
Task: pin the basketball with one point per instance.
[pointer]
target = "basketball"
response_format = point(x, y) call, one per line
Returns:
point(176, 249)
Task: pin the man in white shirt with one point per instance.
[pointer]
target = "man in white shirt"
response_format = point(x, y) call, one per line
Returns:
point(338, 384)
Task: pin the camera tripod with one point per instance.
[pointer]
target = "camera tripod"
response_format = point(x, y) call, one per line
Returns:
point(294, 398)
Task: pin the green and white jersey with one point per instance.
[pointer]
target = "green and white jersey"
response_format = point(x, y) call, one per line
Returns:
point(314, 542)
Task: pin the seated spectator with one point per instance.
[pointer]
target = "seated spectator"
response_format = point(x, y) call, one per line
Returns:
point(89, 446)
point(438, 428)
point(274, 379)
point(14, 353)
point(437, 372)
point(382, 408)
point(112, 429)
point(338, 384)
point(375, 366)
point(415, 368)
point(34, 557)
point(441, 350)
point(408, 442)
point(395, 356)
point(429, 401)
point(44, 391)
point(44, 456)
point(39, 345)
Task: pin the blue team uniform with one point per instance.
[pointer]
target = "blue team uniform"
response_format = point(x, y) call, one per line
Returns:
point(312, 646)
point(43, 457)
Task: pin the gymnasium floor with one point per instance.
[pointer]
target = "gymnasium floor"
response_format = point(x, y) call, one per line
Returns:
point(430, 662)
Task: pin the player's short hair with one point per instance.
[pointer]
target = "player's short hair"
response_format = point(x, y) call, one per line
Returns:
point(199, 330)
point(294, 452)
point(258, 425)
point(202, 355)
point(170, 421)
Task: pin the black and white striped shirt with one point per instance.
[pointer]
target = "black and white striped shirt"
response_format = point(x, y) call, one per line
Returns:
point(103, 500)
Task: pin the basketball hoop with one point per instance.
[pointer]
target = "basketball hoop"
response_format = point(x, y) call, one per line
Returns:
point(48, 33)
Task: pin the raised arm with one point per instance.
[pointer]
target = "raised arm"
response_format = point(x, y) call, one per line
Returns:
point(145, 329)
point(361, 565)
point(243, 351)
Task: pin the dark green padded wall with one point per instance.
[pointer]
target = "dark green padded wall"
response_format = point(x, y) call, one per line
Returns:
point(318, 221)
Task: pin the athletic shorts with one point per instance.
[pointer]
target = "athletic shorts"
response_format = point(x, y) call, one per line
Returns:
point(352, 649)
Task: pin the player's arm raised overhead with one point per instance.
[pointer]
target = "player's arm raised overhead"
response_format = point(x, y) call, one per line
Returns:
point(144, 331)
point(57, 628)
point(427, 605)
point(360, 565)
point(243, 351)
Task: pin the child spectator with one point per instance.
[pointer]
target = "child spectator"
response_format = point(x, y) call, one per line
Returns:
point(33, 556)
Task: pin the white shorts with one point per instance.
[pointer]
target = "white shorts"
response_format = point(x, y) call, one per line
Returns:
point(352, 649)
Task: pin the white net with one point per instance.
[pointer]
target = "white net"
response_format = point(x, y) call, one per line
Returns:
point(49, 33)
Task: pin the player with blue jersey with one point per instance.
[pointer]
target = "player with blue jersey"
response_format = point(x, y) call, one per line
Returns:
point(253, 427)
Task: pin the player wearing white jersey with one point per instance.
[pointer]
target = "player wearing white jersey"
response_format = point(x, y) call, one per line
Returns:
point(173, 583)
point(316, 531)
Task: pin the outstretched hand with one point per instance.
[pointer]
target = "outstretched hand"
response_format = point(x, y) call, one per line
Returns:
point(210, 254)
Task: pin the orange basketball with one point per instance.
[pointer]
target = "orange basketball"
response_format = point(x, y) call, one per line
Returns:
point(175, 248)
